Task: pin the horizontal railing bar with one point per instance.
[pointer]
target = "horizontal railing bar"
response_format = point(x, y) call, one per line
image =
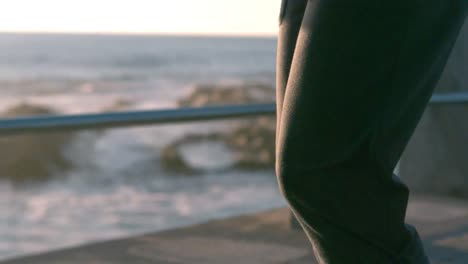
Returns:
point(140, 118)
point(450, 98)
point(126, 119)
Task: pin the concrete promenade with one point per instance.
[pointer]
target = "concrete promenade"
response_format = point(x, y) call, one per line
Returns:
point(261, 239)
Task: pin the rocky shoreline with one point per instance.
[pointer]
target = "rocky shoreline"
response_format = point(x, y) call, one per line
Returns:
point(251, 141)
point(32, 157)
point(246, 144)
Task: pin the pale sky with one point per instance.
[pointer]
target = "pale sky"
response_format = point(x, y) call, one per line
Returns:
point(238, 17)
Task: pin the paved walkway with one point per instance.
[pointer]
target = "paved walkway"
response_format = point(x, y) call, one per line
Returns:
point(262, 239)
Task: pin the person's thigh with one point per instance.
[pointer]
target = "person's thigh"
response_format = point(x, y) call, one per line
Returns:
point(361, 74)
point(340, 77)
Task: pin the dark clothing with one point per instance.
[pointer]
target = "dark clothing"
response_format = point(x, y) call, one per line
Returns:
point(353, 80)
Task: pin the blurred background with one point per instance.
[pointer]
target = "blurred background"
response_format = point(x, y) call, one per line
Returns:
point(74, 57)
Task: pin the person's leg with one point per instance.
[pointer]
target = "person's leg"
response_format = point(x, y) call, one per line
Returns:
point(290, 20)
point(361, 74)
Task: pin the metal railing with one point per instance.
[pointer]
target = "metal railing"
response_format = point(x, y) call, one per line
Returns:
point(127, 119)
point(139, 118)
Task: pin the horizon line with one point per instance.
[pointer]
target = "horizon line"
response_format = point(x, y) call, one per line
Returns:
point(169, 34)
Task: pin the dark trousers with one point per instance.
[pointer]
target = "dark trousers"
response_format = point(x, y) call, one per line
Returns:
point(353, 80)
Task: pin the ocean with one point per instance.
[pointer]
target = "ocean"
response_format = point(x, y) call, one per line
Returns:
point(115, 185)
